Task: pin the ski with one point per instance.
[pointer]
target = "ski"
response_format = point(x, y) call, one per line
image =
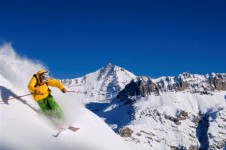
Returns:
point(58, 133)
point(74, 129)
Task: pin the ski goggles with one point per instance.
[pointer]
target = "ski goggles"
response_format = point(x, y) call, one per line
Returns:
point(44, 77)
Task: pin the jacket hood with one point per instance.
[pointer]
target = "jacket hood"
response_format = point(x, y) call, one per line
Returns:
point(41, 72)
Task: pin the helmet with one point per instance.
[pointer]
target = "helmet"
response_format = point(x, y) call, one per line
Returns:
point(44, 77)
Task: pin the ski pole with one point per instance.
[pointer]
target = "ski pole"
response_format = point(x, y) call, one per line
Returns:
point(15, 97)
point(75, 91)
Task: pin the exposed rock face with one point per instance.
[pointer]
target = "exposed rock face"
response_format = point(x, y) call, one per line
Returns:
point(219, 82)
point(125, 132)
point(142, 87)
point(105, 70)
point(203, 84)
point(182, 115)
point(217, 129)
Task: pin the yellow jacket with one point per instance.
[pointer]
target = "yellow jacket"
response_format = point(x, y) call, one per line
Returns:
point(42, 87)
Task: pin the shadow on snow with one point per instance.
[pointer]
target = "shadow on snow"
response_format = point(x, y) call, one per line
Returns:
point(7, 93)
point(117, 114)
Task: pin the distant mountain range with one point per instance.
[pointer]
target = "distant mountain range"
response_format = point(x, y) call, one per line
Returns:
point(183, 112)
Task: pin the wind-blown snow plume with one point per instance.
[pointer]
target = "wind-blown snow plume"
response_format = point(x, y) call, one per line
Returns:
point(18, 71)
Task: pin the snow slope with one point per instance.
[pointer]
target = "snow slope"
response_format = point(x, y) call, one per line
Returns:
point(21, 127)
point(173, 120)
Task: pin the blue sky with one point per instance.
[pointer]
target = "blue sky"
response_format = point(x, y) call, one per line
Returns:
point(152, 38)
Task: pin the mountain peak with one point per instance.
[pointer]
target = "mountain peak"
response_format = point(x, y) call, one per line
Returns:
point(103, 84)
point(110, 69)
point(109, 65)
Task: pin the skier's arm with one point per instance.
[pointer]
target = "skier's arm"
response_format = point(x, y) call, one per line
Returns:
point(56, 83)
point(31, 85)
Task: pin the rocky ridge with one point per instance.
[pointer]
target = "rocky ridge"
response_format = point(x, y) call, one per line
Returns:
point(193, 83)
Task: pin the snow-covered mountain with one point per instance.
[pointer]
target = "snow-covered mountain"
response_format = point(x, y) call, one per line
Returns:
point(183, 112)
point(102, 85)
point(23, 127)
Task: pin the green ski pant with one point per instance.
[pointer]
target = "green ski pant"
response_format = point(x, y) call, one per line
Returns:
point(50, 107)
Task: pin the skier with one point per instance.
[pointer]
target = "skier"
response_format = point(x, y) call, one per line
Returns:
point(38, 86)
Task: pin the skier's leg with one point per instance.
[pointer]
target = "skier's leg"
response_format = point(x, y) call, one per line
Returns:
point(43, 104)
point(58, 112)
